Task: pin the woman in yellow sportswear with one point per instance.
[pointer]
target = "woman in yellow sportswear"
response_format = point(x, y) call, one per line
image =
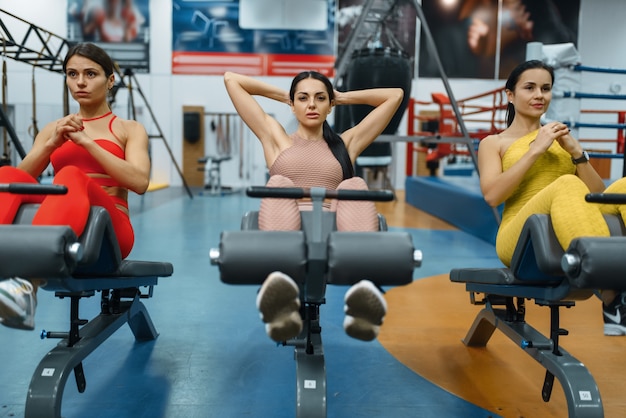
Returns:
point(534, 168)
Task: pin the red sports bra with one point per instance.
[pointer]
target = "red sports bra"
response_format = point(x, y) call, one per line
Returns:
point(70, 154)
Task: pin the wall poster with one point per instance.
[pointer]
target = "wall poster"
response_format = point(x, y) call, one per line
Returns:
point(467, 34)
point(211, 37)
point(120, 27)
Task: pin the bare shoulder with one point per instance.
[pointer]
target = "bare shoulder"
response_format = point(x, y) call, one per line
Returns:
point(46, 132)
point(49, 127)
point(128, 127)
point(128, 123)
point(489, 141)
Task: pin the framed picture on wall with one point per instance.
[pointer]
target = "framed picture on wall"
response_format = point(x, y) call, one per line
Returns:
point(478, 39)
point(254, 37)
point(120, 27)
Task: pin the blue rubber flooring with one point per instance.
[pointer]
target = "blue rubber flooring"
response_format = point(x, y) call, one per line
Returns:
point(212, 357)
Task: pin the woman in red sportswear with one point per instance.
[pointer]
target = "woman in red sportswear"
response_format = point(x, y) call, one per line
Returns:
point(96, 155)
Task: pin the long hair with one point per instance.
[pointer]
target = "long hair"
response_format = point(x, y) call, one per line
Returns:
point(333, 140)
point(92, 52)
point(517, 72)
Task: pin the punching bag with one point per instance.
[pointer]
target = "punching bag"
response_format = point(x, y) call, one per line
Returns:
point(370, 68)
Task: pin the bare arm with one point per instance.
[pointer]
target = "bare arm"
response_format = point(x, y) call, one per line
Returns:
point(133, 172)
point(585, 171)
point(497, 185)
point(590, 176)
point(241, 90)
point(52, 136)
point(385, 102)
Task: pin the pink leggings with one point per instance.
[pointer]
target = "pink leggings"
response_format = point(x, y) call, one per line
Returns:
point(284, 214)
point(70, 209)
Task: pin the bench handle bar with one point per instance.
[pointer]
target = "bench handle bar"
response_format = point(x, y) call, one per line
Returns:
point(309, 192)
point(614, 198)
point(32, 188)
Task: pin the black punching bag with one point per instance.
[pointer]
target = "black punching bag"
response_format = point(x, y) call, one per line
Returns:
point(370, 68)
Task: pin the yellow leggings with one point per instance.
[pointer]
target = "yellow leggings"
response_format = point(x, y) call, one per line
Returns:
point(571, 215)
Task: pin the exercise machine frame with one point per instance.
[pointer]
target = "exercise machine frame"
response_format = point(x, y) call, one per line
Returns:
point(313, 257)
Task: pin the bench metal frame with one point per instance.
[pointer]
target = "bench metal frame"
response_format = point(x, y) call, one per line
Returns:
point(77, 268)
point(537, 273)
point(318, 228)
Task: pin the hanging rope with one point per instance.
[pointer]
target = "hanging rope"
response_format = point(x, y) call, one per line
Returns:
point(4, 159)
point(240, 132)
point(219, 137)
point(66, 99)
point(33, 130)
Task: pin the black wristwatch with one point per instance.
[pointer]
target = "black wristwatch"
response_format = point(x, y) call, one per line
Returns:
point(582, 159)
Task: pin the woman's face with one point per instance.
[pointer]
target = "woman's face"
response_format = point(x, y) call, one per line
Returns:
point(311, 102)
point(87, 81)
point(533, 92)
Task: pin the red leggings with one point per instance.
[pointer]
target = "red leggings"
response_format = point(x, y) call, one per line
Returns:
point(284, 214)
point(70, 209)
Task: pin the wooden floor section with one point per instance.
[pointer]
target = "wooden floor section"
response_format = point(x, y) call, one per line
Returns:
point(428, 319)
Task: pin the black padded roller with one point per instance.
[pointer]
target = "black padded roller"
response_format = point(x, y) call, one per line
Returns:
point(36, 252)
point(385, 258)
point(247, 257)
point(597, 263)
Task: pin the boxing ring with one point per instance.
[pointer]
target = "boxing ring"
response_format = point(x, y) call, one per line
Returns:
point(436, 126)
point(591, 115)
point(434, 134)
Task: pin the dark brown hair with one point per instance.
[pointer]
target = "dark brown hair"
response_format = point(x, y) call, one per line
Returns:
point(92, 52)
point(334, 141)
point(517, 72)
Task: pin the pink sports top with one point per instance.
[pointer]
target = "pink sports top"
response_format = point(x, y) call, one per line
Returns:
point(308, 164)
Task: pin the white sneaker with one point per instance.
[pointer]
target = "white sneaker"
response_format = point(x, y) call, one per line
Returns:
point(365, 309)
point(17, 303)
point(279, 303)
point(615, 316)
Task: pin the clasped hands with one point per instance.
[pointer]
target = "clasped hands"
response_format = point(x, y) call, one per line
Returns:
point(560, 132)
point(69, 128)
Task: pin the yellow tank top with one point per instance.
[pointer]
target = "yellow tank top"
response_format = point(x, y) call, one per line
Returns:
point(554, 163)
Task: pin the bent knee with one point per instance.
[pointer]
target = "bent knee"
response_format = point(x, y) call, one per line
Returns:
point(68, 172)
point(569, 184)
point(279, 181)
point(570, 180)
point(354, 183)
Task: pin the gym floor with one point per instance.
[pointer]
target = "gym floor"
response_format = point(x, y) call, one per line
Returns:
point(213, 358)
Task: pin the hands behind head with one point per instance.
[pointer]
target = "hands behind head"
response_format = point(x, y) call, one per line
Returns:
point(337, 95)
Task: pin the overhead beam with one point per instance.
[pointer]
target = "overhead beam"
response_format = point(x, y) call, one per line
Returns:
point(25, 42)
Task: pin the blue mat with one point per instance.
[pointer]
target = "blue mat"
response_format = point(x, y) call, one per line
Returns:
point(456, 200)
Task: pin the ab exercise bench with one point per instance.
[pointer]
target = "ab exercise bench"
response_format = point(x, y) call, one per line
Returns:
point(313, 257)
point(76, 268)
point(541, 271)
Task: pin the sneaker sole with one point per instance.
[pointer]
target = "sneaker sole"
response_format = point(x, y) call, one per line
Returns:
point(360, 329)
point(279, 304)
point(18, 324)
point(614, 330)
point(285, 327)
point(8, 308)
point(13, 316)
point(364, 301)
